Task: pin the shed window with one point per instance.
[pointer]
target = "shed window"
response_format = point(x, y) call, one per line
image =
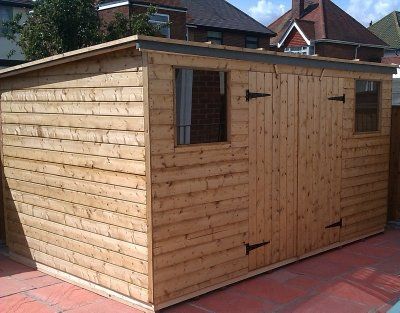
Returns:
point(251, 42)
point(214, 37)
point(201, 106)
point(367, 106)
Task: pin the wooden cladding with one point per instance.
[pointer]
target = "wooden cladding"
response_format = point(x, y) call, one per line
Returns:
point(74, 167)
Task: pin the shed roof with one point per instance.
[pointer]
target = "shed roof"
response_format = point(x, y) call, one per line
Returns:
point(145, 43)
point(17, 3)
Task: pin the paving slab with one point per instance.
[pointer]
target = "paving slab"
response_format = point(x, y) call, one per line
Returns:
point(361, 277)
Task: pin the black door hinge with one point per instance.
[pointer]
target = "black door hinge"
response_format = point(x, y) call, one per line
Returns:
point(250, 247)
point(338, 98)
point(337, 224)
point(253, 95)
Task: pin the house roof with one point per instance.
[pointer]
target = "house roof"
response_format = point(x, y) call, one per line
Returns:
point(221, 14)
point(330, 23)
point(218, 14)
point(17, 3)
point(388, 29)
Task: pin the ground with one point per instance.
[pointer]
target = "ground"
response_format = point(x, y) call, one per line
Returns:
point(362, 277)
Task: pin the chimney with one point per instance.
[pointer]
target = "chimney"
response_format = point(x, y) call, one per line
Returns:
point(297, 8)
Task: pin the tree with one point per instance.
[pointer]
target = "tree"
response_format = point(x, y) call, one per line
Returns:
point(58, 26)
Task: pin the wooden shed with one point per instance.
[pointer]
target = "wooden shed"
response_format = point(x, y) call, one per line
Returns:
point(153, 170)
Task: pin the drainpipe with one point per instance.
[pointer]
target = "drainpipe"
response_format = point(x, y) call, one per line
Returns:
point(356, 52)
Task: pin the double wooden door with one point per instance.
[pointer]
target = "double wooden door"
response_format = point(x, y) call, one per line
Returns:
point(295, 136)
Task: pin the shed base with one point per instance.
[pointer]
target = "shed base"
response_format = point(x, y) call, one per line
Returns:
point(146, 307)
point(263, 270)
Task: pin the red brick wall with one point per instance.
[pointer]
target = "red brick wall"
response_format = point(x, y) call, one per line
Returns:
point(108, 15)
point(348, 52)
point(208, 108)
point(295, 39)
point(229, 38)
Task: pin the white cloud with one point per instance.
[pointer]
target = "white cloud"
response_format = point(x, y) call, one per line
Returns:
point(267, 11)
point(366, 11)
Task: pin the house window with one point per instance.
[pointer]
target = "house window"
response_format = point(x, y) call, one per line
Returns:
point(305, 50)
point(251, 42)
point(6, 14)
point(201, 106)
point(161, 20)
point(367, 106)
point(214, 37)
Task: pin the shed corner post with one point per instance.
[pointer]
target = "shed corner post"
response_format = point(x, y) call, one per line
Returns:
point(3, 217)
point(149, 195)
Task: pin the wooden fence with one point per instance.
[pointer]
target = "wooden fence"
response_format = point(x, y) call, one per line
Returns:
point(394, 182)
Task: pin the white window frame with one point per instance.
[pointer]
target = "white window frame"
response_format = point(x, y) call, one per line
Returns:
point(162, 23)
point(303, 50)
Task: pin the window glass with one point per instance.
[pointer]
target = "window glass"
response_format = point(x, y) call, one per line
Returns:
point(201, 104)
point(367, 106)
point(162, 20)
point(6, 14)
point(214, 37)
point(251, 42)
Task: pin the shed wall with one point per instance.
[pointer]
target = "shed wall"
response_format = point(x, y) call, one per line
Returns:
point(365, 170)
point(394, 183)
point(200, 193)
point(74, 165)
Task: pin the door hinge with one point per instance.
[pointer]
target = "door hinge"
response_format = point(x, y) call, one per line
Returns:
point(337, 224)
point(250, 247)
point(253, 95)
point(338, 98)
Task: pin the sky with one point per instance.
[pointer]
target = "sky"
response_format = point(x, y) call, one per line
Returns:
point(364, 11)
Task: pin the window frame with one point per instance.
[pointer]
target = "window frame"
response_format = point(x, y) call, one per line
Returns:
point(10, 12)
point(162, 23)
point(309, 50)
point(211, 38)
point(208, 145)
point(379, 111)
point(247, 41)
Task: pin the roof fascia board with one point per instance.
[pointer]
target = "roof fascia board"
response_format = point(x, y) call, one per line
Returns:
point(351, 43)
point(289, 30)
point(112, 5)
point(75, 55)
point(256, 56)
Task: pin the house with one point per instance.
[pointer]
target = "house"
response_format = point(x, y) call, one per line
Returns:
point(321, 27)
point(9, 9)
point(215, 21)
point(388, 29)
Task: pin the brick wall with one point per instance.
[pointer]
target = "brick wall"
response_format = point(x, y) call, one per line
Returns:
point(295, 40)
point(108, 15)
point(348, 52)
point(235, 39)
point(208, 108)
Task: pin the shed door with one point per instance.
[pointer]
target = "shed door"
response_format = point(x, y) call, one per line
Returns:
point(294, 165)
point(319, 162)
